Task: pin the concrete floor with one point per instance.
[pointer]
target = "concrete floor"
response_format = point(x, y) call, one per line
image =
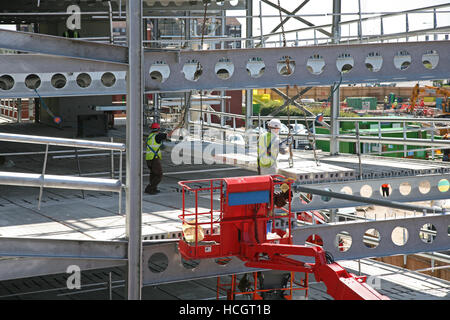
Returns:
point(72, 214)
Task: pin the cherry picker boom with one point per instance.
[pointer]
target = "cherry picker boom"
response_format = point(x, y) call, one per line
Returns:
point(244, 226)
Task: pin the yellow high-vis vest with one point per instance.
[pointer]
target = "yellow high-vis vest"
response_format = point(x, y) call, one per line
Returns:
point(267, 152)
point(153, 148)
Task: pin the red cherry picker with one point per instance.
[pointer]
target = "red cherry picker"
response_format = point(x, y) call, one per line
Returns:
point(243, 225)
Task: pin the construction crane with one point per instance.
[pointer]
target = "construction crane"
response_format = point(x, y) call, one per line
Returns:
point(244, 225)
point(430, 90)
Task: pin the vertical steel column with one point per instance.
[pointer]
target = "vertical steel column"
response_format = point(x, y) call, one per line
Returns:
point(249, 93)
point(359, 22)
point(223, 14)
point(135, 84)
point(334, 114)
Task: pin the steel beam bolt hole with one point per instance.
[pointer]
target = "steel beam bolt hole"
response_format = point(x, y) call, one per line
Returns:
point(366, 191)
point(385, 190)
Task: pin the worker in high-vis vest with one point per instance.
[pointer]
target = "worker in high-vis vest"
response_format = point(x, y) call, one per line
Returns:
point(153, 157)
point(268, 148)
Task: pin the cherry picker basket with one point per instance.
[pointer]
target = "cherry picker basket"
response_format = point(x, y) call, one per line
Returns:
point(220, 214)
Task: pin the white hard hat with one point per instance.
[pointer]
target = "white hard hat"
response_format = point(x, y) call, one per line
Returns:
point(274, 123)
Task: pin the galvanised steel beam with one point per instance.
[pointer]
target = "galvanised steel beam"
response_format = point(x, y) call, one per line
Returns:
point(162, 262)
point(420, 187)
point(165, 263)
point(383, 203)
point(177, 71)
point(61, 46)
point(240, 79)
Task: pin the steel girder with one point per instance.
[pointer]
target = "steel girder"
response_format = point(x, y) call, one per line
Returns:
point(26, 257)
point(403, 189)
point(170, 71)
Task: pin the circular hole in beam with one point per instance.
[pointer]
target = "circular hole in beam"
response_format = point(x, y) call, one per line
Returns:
point(189, 264)
point(405, 188)
point(402, 60)
point(443, 185)
point(6, 82)
point(58, 81)
point(192, 70)
point(424, 186)
point(315, 64)
point(371, 238)
point(374, 61)
point(343, 241)
point(430, 59)
point(399, 236)
point(314, 240)
point(84, 80)
point(32, 81)
point(108, 79)
point(255, 67)
point(286, 66)
point(224, 69)
point(159, 71)
point(345, 63)
point(427, 233)
point(158, 262)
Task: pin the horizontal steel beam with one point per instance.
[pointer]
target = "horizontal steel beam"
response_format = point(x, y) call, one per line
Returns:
point(59, 182)
point(61, 46)
point(170, 71)
point(421, 187)
point(378, 202)
point(163, 263)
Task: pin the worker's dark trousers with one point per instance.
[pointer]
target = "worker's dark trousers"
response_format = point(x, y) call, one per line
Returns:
point(385, 192)
point(156, 174)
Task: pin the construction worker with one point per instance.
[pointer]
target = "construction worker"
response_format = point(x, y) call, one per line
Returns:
point(269, 147)
point(385, 189)
point(153, 157)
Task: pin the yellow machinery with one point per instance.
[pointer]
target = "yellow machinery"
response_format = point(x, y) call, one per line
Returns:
point(430, 90)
